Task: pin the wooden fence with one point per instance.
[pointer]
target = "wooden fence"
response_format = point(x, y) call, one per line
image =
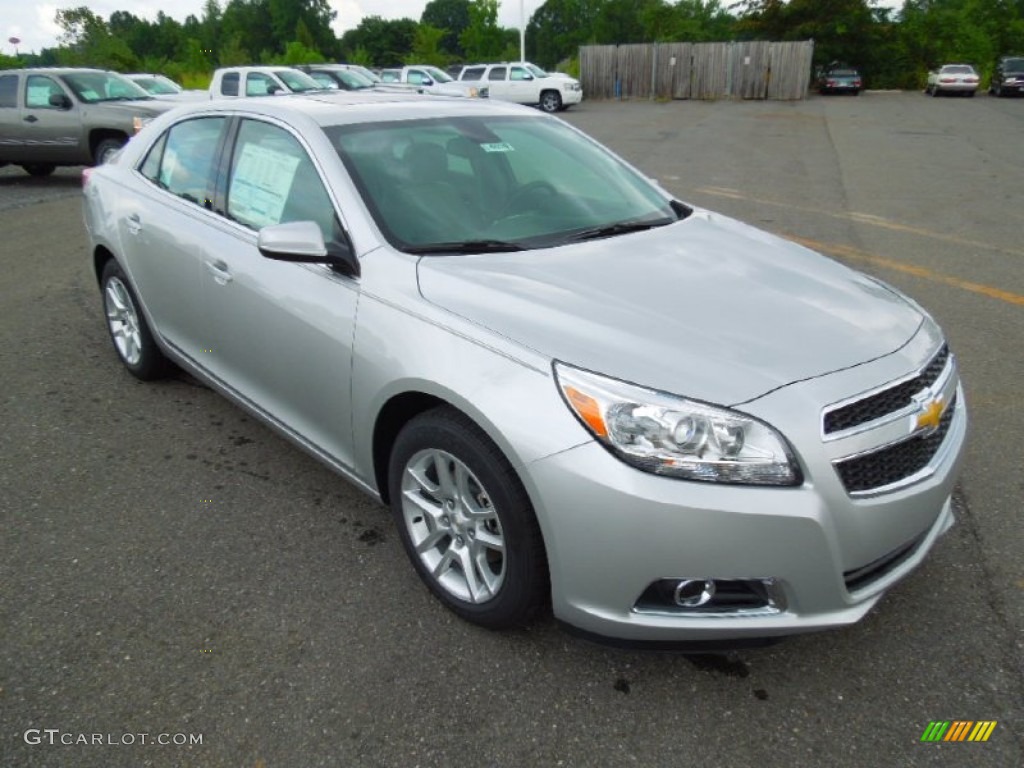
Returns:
point(747, 70)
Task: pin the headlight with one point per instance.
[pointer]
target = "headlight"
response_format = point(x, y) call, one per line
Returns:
point(675, 436)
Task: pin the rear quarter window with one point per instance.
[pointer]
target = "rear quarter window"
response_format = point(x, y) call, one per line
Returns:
point(8, 91)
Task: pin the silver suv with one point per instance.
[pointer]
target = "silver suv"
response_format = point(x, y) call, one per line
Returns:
point(69, 116)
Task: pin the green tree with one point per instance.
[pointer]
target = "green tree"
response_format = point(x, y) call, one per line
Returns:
point(386, 41)
point(483, 39)
point(86, 41)
point(426, 47)
point(453, 17)
point(558, 28)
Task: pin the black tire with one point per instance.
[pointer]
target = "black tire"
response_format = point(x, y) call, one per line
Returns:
point(39, 169)
point(106, 148)
point(970, 94)
point(443, 439)
point(935, 92)
point(550, 101)
point(140, 355)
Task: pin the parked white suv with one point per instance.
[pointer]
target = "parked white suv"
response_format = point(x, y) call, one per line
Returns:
point(525, 83)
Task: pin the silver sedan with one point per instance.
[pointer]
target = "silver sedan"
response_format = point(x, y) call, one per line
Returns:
point(570, 388)
point(953, 78)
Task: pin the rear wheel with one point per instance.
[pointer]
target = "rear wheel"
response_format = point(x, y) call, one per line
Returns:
point(466, 521)
point(39, 169)
point(128, 329)
point(550, 101)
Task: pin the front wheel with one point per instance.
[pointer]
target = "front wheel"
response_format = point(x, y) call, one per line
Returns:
point(550, 101)
point(106, 150)
point(466, 521)
point(128, 329)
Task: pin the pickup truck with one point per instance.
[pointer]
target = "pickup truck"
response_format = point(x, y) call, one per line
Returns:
point(525, 83)
point(239, 82)
point(68, 116)
point(429, 79)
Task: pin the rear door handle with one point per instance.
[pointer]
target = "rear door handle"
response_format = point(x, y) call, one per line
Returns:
point(134, 224)
point(220, 272)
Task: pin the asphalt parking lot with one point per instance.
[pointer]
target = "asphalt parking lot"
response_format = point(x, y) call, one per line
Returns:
point(169, 566)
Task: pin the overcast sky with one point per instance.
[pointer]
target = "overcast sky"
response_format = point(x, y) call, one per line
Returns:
point(32, 21)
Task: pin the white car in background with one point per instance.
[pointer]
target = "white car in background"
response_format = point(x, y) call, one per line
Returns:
point(953, 78)
point(525, 83)
point(163, 88)
point(239, 82)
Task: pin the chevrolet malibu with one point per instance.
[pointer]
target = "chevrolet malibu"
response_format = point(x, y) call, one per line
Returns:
point(569, 387)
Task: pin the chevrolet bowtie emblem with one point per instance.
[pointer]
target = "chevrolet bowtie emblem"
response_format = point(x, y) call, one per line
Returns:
point(931, 414)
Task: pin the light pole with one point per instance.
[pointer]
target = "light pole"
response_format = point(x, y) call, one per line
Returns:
point(522, 32)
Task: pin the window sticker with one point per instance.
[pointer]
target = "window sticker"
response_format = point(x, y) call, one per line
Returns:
point(260, 185)
point(503, 146)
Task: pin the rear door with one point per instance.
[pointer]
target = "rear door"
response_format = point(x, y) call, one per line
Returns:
point(166, 228)
point(497, 82)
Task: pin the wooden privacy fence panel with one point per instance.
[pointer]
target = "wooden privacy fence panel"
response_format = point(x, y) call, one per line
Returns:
point(672, 71)
point(742, 70)
point(601, 62)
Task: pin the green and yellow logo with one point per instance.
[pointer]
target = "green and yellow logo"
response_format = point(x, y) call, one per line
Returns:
point(958, 730)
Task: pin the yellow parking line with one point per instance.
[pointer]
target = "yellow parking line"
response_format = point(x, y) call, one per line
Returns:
point(845, 251)
point(861, 218)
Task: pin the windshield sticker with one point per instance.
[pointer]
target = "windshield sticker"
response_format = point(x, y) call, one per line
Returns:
point(259, 189)
point(503, 146)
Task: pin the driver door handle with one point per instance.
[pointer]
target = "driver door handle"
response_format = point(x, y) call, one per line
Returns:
point(31, 119)
point(220, 272)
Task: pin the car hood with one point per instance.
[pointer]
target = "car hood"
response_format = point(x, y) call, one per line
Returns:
point(708, 307)
point(130, 109)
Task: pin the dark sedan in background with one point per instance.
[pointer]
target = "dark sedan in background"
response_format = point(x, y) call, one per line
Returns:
point(839, 79)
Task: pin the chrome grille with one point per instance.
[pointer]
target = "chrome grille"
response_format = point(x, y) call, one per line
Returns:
point(896, 462)
point(888, 400)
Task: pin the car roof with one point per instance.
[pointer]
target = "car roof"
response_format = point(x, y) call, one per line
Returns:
point(351, 107)
point(56, 70)
point(257, 68)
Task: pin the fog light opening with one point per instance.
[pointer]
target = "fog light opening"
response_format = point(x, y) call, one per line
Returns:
point(693, 593)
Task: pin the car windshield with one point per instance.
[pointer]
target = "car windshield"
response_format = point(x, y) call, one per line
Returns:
point(476, 184)
point(368, 74)
point(439, 75)
point(1014, 66)
point(353, 80)
point(298, 82)
point(537, 71)
point(958, 69)
point(157, 85)
point(93, 87)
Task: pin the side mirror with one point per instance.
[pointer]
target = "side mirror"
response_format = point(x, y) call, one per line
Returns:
point(273, 89)
point(60, 100)
point(303, 242)
point(426, 81)
point(527, 76)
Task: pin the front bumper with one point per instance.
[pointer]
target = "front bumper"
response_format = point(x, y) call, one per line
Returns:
point(612, 531)
point(571, 97)
point(956, 87)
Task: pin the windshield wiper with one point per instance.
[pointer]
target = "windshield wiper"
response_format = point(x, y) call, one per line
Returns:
point(467, 246)
point(618, 228)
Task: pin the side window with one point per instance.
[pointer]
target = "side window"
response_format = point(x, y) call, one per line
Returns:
point(186, 152)
point(324, 80)
point(497, 73)
point(518, 73)
point(472, 73)
point(229, 84)
point(416, 77)
point(38, 90)
point(150, 167)
point(258, 84)
point(273, 181)
point(8, 91)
